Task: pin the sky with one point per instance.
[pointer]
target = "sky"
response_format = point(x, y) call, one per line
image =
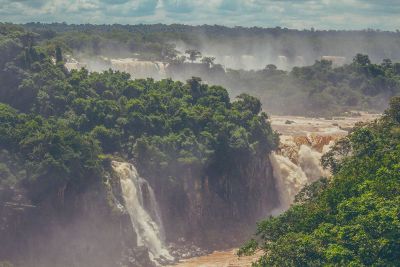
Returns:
point(296, 14)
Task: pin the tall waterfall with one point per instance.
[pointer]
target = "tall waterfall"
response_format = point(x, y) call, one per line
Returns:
point(289, 177)
point(143, 210)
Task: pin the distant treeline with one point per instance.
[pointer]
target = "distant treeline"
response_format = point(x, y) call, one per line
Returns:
point(310, 44)
point(317, 90)
point(321, 89)
point(366, 82)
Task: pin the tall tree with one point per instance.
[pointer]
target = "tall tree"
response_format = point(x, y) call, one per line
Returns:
point(361, 59)
point(208, 60)
point(193, 54)
point(59, 57)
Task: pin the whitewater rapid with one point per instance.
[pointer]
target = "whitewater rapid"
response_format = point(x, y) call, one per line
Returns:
point(291, 177)
point(303, 141)
point(143, 210)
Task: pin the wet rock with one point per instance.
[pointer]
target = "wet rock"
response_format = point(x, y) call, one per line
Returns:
point(136, 257)
point(186, 250)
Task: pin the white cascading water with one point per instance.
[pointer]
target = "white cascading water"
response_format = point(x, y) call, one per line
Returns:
point(291, 178)
point(310, 163)
point(138, 68)
point(143, 210)
point(303, 141)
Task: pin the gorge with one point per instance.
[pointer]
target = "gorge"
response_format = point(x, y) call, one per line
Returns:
point(272, 181)
point(295, 164)
point(150, 159)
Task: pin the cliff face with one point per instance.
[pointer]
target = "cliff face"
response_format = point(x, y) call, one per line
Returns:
point(88, 228)
point(217, 210)
point(93, 228)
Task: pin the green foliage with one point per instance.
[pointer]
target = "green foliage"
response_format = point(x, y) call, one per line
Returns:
point(350, 220)
point(59, 56)
point(394, 110)
point(361, 60)
point(320, 89)
point(51, 153)
point(193, 54)
point(76, 117)
point(317, 90)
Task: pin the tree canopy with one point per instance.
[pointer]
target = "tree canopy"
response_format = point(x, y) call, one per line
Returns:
point(351, 219)
point(62, 123)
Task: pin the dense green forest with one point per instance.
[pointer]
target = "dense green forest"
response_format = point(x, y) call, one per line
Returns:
point(155, 41)
point(370, 77)
point(59, 129)
point(57, 126)
point(321, 89)
point(352, 219)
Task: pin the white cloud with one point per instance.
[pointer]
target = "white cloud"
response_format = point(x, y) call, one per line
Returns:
point(321, 14)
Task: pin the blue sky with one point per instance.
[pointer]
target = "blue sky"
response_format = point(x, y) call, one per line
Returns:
point(320, 14)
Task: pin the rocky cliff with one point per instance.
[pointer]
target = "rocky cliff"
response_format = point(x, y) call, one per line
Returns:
point(72, 228)
point(215, 209)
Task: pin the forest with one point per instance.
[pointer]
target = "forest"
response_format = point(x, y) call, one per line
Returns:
point(304, 83)
point(111, 113)
point(352, 219)
point(321, 89)
point(157, 41)
point(60, 130)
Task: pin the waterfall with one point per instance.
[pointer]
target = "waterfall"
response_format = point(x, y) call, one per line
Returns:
point(289, 177)
point(295, 165)
point(143, 210)
point(310, 163)
point(139, 68)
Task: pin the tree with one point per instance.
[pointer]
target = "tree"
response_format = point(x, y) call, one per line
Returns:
point(350, 219)
point(195, 87)
point(271, 67)
point(362, 60)
point(394, 109)
point(179, 60)
point(193, 54)
point(169, 51)
point(59, 56)
point(387, 63)
point(208, 60)
point(248, 102)
point(396, 68)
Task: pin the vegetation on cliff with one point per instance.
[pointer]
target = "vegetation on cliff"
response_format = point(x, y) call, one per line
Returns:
point(59, 123)
point(350, 220)
point(58, 130)
point(321, 89)
point(58, 127)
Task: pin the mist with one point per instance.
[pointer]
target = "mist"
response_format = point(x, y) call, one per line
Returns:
point(144, 145)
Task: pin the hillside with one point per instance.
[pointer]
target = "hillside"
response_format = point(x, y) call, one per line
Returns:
point(293, 72)
point(352, 219)
point(62, 133)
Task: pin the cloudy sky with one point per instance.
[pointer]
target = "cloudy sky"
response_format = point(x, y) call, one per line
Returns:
point(320, 14)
